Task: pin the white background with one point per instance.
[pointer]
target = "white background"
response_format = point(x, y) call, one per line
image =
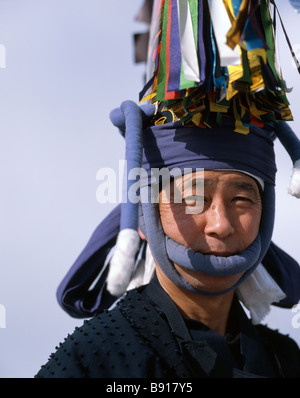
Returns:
point(68, 63)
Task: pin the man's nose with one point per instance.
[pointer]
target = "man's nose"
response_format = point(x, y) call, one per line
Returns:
point(218, 221)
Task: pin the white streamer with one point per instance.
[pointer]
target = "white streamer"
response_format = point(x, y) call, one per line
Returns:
point(187, 42)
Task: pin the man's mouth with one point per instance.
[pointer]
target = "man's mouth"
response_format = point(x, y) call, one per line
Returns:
point(220, 254)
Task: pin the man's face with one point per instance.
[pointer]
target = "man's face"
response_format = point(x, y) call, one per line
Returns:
point(227, 225)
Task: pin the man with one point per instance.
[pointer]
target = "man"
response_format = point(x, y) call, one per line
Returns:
point(211, 248)
point(187, 322)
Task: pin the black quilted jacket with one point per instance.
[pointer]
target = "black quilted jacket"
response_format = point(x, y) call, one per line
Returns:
point(140, 339)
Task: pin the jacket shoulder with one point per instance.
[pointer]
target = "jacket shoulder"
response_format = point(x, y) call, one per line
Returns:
point(107, 345)
point(284, 349)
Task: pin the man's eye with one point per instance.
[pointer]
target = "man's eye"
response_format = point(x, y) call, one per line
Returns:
point(193, 200)
point(241, 199)
point(190, 200)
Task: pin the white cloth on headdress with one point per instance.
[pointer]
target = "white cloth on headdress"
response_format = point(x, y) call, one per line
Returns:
point(123, 261)
point(256, 293)
point(144, 271)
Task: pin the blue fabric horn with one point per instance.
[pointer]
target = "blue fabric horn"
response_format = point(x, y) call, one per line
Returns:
point(129, 119)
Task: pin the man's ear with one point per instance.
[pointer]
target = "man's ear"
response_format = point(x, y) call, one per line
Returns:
point(142, 236)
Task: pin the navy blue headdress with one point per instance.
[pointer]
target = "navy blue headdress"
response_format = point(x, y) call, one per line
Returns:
point(84, 289)
point(182, 146)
